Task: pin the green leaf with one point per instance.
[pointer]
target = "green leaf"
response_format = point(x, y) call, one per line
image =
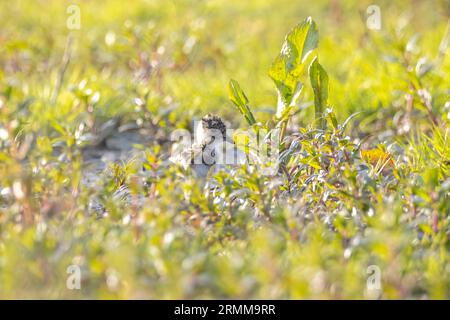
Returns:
point(350, 118)
point(332, 118)
point(319, 82)
point(289, 65)
point(238, 97)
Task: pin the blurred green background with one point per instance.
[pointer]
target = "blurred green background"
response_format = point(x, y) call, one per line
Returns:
point(176, 58)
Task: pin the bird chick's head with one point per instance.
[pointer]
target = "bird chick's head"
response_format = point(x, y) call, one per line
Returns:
point(212, 122)
point(210, 129)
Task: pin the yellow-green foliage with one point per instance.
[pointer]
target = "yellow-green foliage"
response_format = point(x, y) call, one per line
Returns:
point(368, 187)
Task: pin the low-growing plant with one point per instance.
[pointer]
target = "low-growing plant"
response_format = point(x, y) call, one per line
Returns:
point(355, 192)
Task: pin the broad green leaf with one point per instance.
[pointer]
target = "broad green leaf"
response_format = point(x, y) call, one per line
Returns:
point(238, 97)
point(289, 65)
point(319, 82)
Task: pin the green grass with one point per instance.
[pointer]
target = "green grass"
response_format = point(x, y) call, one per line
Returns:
point(311, 230)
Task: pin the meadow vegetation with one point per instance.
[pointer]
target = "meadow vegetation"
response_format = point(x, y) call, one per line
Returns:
point(364, 154)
